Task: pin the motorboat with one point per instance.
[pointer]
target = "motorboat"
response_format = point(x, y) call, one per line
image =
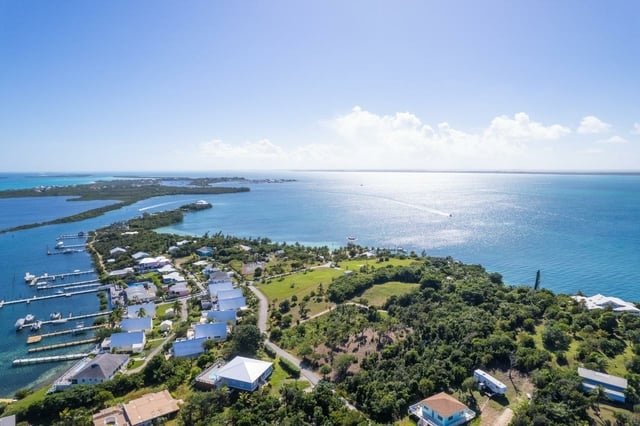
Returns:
point(55, 315)
point(36, 326)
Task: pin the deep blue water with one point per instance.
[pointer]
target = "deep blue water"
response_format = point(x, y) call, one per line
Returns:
point(581, 231)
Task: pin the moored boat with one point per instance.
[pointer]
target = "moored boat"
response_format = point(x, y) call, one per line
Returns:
point(36, 326)
point(19, 324)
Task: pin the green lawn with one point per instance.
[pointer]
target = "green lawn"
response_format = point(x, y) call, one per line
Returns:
point(300, 284)
point(378, 294)
point(356, 264)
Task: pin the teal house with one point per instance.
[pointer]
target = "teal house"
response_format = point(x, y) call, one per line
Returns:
point(441, 409)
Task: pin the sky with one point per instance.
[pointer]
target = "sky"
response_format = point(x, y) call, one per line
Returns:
point(226, 85)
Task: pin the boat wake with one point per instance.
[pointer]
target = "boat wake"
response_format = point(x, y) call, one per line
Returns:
point(399, 202)
point(162, 205)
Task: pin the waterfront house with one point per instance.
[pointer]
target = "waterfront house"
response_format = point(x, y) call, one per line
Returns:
point(140, 292)
point(600, 301)
point(100, 369)
point(172, 277)
point(216, 331)
point(166, 269)
point(133, 311)
point(137, 324)
point(235, 304)
point(613, 386)
point(188, 347)
point(220, 316)
point(441, 409)
point(149, 263)
point(139, 412)
point(120, 273)
point(239, 373)
point(127, 342)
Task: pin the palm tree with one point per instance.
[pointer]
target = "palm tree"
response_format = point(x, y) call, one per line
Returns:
point(142, 313)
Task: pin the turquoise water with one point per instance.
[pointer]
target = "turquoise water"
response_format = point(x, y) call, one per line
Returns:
point(581, 231)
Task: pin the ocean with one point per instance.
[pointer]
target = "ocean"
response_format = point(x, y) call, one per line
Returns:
point(581, 231)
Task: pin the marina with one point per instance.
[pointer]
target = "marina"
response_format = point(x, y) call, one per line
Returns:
point(79, 235)
point(38, 337)
point(68, 286)
point(33, 279)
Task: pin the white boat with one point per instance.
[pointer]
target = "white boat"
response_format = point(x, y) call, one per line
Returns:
point(55, 315)
point(36, 326)
point(29, 318)
point(60, 245)
point(29, 277)
point(59, 321)
point(19, 324)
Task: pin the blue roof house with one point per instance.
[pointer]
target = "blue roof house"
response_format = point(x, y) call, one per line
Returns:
point(234, 304)
point(216, 331)
point(189, 347)
point(230, 294)
point(215, 288)
point(221, 316)
point(133, 311)
point(136, 324)
point(128, 342)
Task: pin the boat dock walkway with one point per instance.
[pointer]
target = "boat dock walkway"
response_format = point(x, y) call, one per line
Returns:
point(53, 277)
point(66, 285)
point(79, 235)
point(52, 296)
point(54, 358)
point(65, 251)
point(64, 247)
point(78, 317)
point(62, 345)
point(36, 338)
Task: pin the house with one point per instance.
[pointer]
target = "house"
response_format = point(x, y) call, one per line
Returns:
point(216, 277)
point(166, 269)
point(8, 420)
point(250, 267)
point(179, 289)
point(144, 324)
point(149, 263)
point(188, 347)
point(230, 294)
point(117, 250)
point(140, 292)
point(166, 325)
point(600, 301)
point(487, 380)
point(127, 342)
point(220, 316)
point(101, 368)
point(216, 331)
point(613, 386)
point(219, 286)
point(139, 255)
point(441, 409)
point(205, 304)
point(235, 304)
point(139, 412)
point(239, 373)
point(204, 251)
point(172, 277)
point(133, 311)
point(121, 272)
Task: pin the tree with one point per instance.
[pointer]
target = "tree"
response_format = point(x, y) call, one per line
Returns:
point(325, 370)
point(246, 339)
point(142, 313)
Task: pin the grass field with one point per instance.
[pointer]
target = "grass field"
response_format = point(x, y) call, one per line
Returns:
point(378, 294)
point(356, 264)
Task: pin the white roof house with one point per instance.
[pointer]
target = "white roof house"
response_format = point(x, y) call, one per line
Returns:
point(239, 373)
point(600, 301)
point(117, 250)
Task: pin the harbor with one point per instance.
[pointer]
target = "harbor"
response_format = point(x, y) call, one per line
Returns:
point(34, 279)
point(68, 286)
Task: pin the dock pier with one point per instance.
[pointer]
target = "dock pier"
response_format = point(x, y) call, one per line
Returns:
point(52, 296)
point(36, 338)
point(62, 345)
point(79, 317)
point(67, 286)
point(54, 358)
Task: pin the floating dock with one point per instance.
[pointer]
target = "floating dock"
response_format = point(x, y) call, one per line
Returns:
point(78, 317)
point(68, 286)
point(54, 358)
point(52, 277)
point(80, 234)
point(63, 345)
point(65, 251)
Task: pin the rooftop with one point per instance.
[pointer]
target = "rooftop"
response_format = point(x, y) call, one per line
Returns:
point(150, 406)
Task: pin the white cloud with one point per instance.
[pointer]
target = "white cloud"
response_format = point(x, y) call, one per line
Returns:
point(613, 140)
point(592, 125)
point(363, 139)
point(636, 129)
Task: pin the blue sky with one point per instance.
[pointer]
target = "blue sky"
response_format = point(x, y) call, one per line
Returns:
point(219, 85)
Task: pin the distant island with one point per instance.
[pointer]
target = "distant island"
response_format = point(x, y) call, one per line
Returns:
point(124, 192)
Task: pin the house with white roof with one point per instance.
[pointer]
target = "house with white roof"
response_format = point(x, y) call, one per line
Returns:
point(172, 277)
point(149, 263)
point(613, 386)
point(179, 289)
point(117, 250)
point(140, 292)
point(239, 373)
point(139, 255)
point(600, 301)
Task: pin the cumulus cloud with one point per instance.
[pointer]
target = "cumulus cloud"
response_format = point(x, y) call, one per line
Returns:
point(401, 140)
point(636, 129)
point(614, 140)
point(591, 125)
